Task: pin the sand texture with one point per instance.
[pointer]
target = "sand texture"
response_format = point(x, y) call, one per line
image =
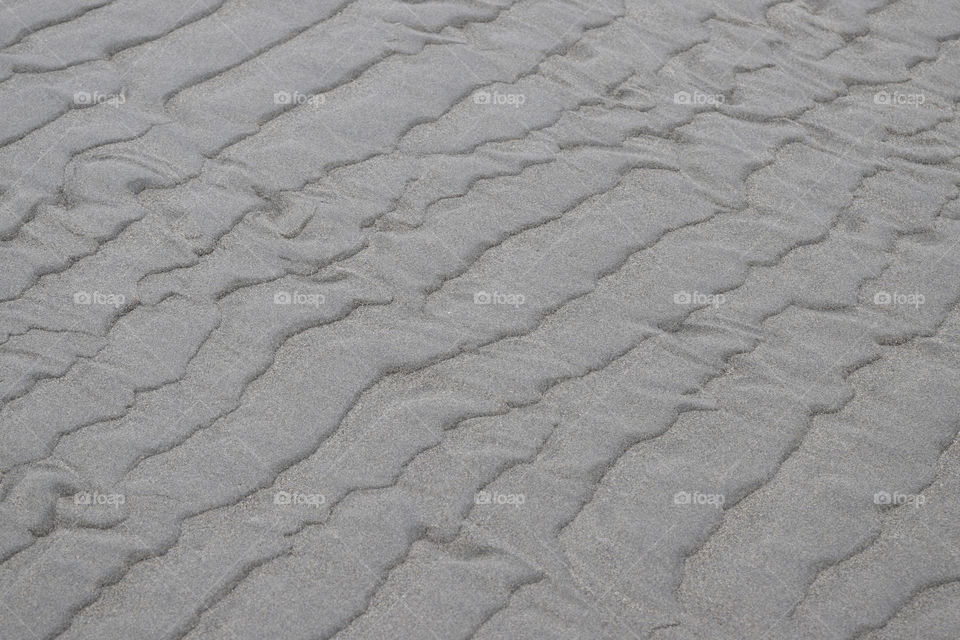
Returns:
point(479, 319)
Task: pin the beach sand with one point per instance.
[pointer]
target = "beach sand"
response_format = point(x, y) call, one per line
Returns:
point(479, 319)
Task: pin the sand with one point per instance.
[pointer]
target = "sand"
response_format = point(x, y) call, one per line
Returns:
point(479, 319)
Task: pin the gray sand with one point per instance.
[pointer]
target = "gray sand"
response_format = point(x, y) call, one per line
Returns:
point(478, 319)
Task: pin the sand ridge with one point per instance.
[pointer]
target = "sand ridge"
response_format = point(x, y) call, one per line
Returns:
point(368, 319)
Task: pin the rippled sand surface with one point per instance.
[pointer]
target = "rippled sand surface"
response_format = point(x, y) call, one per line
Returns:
point(479, 319)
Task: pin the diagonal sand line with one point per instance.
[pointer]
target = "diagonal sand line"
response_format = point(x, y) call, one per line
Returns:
point(373, 573)
point(584, 384)
point(766, 632)
point(133, 63)
point(790, 409)
point(640, 559)
point(205, 594)
point(19, 619)
point(533, 534)
point(132, 533)
point(754, 157)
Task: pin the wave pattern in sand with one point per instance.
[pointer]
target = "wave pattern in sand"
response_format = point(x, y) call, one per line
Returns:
point(533, 319)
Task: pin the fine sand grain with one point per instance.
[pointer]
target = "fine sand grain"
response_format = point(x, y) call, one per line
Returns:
point(487, 319)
